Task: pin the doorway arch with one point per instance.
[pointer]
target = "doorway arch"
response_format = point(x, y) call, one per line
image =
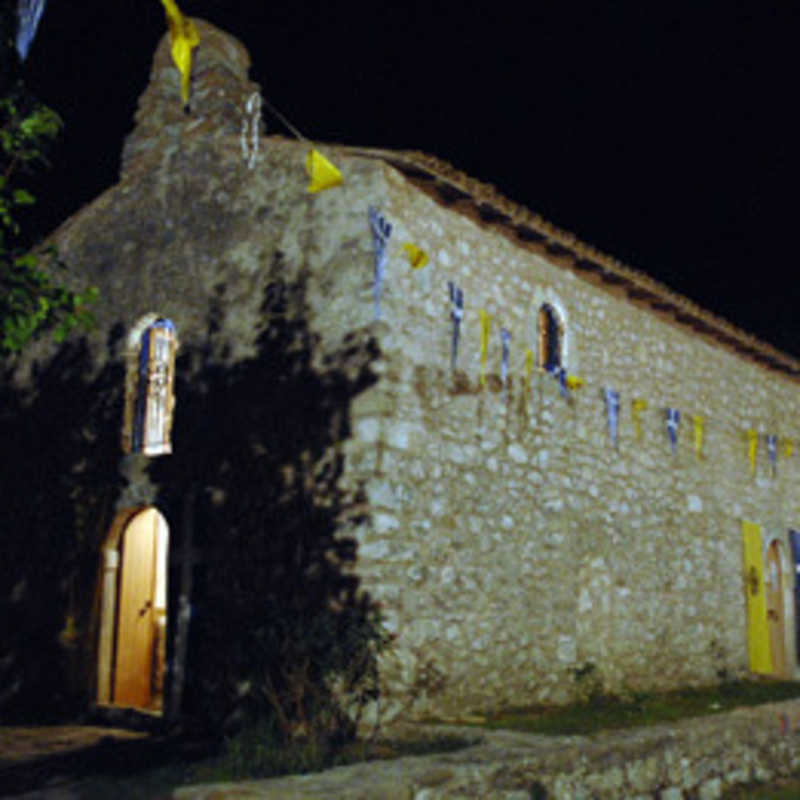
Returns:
point(780, 609)
point(133, 611)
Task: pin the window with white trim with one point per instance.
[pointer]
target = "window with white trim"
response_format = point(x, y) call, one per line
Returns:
point(149, 390)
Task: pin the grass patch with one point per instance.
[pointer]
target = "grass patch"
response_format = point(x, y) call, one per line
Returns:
point(255, 753)
point(603, 712)
point(779, 789)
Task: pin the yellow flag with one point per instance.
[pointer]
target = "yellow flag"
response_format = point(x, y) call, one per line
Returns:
point(184, 37)
point(699, 423)
point(323, 174)
point(486, 322)
point(638, 405)
point(417, 257)
point(574, 382)
point(528, 366)
point(788, 447)
point(752, 449)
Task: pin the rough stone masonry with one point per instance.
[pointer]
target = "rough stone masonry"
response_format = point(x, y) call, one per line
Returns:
point(520, 555)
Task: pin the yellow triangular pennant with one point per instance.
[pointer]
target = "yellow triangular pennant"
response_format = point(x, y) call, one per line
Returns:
point(323, 174)
point(417, 257)
point(184, 37)
point(574, 382)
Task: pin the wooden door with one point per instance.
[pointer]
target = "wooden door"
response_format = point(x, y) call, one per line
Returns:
point(135, 614)
point(794, 544)
point(758, 644)
point(775, 615)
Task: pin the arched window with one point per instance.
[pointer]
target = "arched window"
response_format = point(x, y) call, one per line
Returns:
point(149, 397)
point(550, 334)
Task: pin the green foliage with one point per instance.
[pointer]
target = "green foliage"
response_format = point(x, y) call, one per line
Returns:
point(259, 751)
point(32, 299)
point(604, 712)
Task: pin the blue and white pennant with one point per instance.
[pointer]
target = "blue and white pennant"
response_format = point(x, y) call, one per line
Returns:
point(612, 407)
point(772, 450)
point(381, 231)
point(673, 419)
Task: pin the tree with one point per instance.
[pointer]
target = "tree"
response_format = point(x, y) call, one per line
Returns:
point(33, 300)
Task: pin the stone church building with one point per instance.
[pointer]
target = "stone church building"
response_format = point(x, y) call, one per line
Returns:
point(553, 473)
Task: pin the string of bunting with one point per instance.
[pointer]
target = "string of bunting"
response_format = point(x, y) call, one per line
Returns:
point(417, 258)
point(324, 175)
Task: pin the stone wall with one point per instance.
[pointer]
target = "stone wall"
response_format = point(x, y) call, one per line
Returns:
point(515, 548)
point(520, 557)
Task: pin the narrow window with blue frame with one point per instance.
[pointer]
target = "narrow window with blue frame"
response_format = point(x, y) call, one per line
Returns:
point(151, 400)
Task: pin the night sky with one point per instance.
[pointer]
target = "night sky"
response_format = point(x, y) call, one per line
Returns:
point(663, 135)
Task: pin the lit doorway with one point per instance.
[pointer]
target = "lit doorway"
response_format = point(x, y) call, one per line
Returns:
point(775, 610)
point(133, 615)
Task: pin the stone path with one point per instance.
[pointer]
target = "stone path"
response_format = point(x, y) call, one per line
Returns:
point(696, 758)
point(18, 744)
point(47, 761)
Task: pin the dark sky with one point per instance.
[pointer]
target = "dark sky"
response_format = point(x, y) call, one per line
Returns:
point(662, 135)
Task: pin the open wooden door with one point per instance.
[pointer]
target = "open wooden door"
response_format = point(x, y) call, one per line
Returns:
point(135, 613)
point(133, 616)
point(775, 610)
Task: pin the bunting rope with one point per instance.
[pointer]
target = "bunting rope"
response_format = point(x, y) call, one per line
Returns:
point(568, 382)
point(322, 173)
point(381, 230)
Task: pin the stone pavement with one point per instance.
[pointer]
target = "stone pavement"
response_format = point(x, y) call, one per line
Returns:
point(696, 758)
point(20, 744)
point(44, 761)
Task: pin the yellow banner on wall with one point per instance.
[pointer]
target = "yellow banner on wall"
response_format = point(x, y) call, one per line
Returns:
point(752, 449)
point(758, 649)
point(699, 424)
point(486, 323)
point(638, 405)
